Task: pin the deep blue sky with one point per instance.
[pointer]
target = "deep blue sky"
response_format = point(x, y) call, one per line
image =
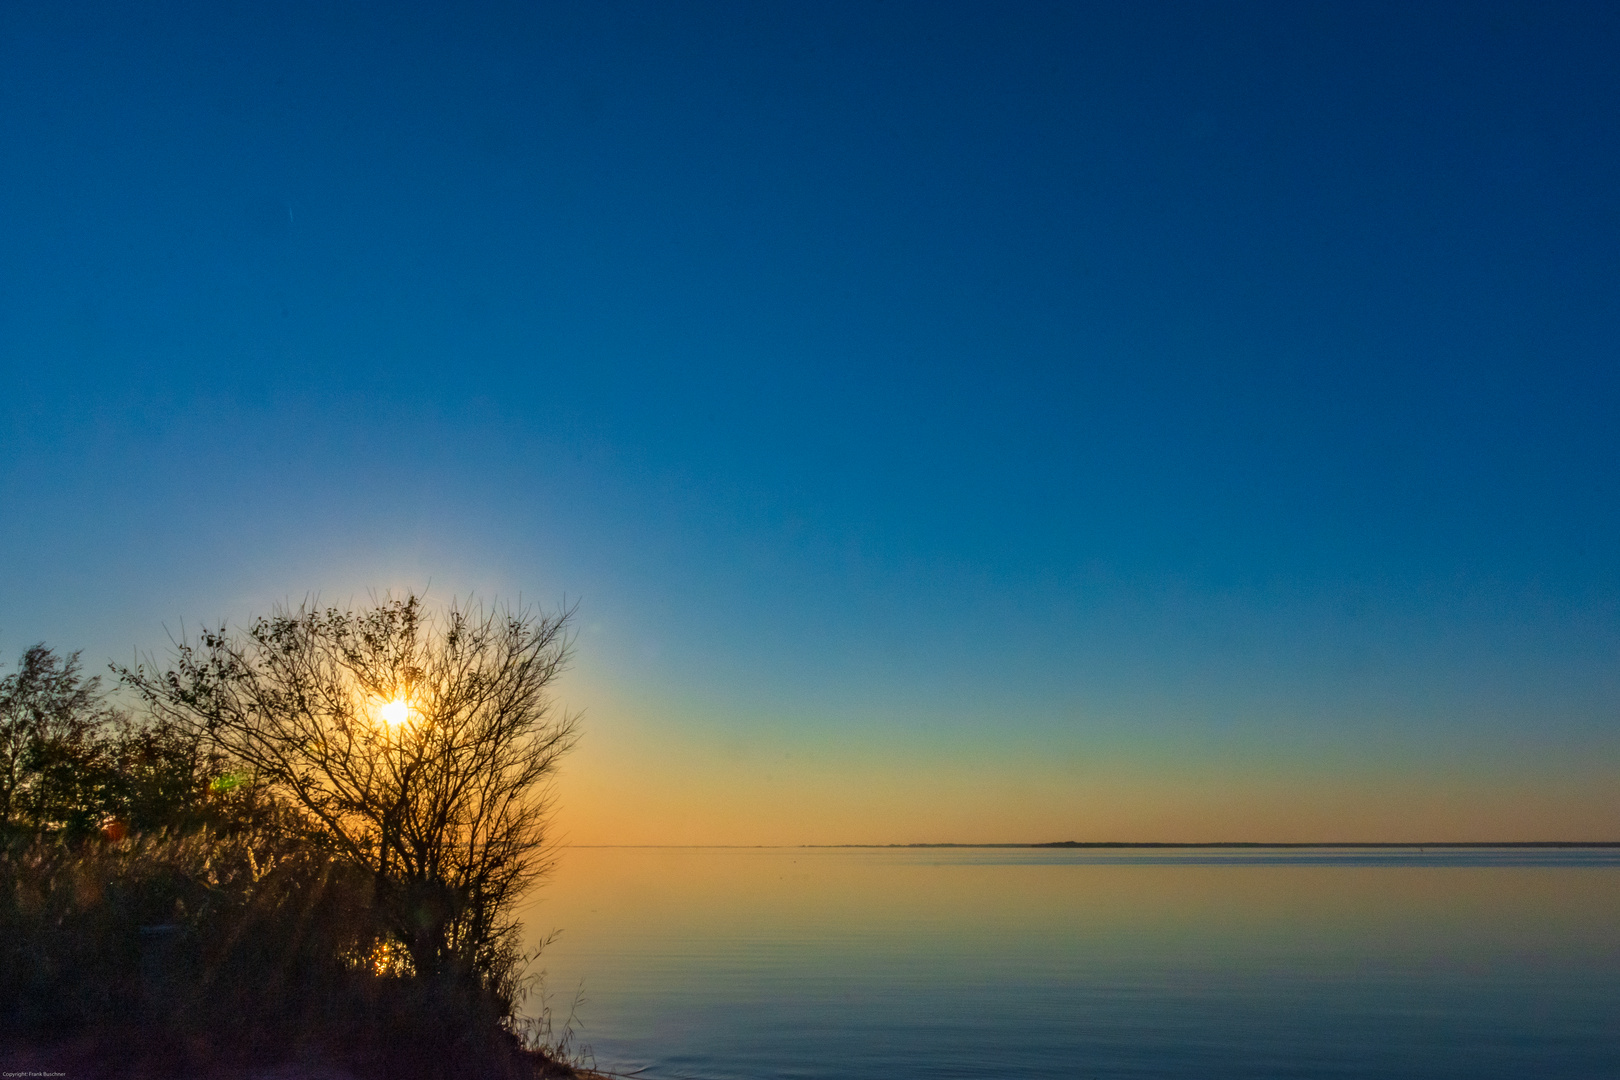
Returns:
point(1163, 396)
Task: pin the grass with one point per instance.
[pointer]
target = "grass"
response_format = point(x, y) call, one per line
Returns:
point(213, 954)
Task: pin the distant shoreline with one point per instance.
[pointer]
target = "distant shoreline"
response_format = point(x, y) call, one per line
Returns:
point(1160, 844)
point(1263, 844)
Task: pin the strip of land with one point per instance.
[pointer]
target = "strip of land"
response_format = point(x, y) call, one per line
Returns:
point(1249, 844)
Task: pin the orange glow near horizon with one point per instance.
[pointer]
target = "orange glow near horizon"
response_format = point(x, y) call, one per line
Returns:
point(638, 778)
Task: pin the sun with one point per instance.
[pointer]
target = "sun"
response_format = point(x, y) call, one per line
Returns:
point(395, 712)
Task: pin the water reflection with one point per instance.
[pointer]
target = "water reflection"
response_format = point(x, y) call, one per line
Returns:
point(1015, 962)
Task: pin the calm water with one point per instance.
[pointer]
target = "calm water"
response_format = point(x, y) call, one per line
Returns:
point(893, 964)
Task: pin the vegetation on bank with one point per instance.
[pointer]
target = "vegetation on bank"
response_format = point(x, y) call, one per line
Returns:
point(307, 840)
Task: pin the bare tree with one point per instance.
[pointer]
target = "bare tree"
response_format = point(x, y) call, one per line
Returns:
point(417, 747)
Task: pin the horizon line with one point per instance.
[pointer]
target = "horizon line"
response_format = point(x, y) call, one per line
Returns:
point(1106, 844)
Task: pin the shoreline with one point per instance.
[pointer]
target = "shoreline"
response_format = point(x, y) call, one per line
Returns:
point(1327, 845)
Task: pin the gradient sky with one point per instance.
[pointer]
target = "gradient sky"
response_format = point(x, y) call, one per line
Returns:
point(956, 421)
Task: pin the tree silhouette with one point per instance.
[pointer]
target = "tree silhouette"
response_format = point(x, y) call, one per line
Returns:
point(53, 748)
point(414, 746)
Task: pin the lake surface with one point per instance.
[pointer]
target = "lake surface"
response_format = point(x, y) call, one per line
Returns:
point(889, 964)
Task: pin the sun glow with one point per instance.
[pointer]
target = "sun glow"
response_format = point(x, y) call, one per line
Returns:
point(395, 712)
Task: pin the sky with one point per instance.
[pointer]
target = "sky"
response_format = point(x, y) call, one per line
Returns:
point(956, 422)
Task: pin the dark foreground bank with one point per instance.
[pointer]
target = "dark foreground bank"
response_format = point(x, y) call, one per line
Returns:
point(305, 845)
point(212, 955)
